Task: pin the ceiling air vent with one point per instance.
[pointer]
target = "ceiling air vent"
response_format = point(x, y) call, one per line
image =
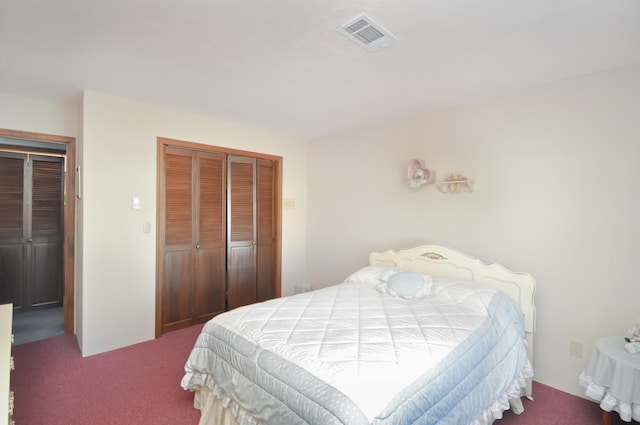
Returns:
point(363, 31)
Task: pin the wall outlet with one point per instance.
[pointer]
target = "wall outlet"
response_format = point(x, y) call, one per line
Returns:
point(575, 349)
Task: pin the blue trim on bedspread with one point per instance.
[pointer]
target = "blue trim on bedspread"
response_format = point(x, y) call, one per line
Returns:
point(471, 378)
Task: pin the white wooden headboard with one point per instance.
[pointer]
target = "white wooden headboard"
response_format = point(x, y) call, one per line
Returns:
point(444, 262)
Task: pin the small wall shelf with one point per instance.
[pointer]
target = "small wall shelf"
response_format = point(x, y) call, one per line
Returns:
point(455, 184)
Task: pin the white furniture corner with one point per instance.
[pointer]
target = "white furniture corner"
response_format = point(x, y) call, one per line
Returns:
point(6, 364)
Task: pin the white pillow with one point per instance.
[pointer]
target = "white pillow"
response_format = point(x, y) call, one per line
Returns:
point(371, 275)
point(408, 285)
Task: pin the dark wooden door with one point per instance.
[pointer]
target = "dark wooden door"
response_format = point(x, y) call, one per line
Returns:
point(44, 242)
point(12, 229)
point(210, 236)
point(31, 230)
point(194, 237)
point(266, 230)
point(218, 234)
point(179, 224)
point(241, 233)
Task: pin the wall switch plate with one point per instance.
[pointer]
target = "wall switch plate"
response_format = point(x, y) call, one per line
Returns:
point(575, 349)
point(136, 204)
point(146, 227)
point(289, 204)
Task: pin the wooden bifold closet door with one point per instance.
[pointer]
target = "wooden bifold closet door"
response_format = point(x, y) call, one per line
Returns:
point(267, 231)
point(31, 229)
point(241, 246)
point(219, 234)
point(194, 247)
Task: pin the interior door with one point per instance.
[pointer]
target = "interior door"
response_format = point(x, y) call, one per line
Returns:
point(211, 239)
point(12, 228)
point(179, 244)
point(194, 237)
point(241, 233)
point(44, 235)
point(31, 230)
point(266, 230)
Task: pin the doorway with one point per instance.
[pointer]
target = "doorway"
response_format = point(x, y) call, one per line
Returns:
point(39, 216)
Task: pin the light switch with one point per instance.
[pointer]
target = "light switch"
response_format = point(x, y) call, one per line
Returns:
point(289, 204)
point(146, 227)
point(136, 204)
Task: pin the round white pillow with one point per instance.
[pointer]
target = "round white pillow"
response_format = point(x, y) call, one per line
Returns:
point(405, 284)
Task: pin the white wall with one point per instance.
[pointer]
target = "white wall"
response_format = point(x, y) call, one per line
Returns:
point(556, 195)
point(119, 161)
point(39, 116)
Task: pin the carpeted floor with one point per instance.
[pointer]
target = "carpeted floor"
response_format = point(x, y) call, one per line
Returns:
point(55, 385)
point(37, 325)
point(137, 385)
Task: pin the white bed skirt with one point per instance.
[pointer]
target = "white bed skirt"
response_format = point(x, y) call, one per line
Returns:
point(212, 409)
point(215, 411)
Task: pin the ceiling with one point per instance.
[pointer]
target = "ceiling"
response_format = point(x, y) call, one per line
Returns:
point(282, 65)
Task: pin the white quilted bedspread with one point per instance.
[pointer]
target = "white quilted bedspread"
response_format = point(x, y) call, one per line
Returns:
point(367, 345)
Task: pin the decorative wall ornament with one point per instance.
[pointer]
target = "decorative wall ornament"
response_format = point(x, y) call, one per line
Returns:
point(418, 174)
point(455, 183)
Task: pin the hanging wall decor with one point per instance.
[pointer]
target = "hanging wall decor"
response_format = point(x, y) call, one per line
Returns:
point(455, 183)
point(418, 174)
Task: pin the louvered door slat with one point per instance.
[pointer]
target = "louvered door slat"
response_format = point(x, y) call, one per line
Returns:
point(211, 229)
point(11, 199)
point(242, 207)
point(46, 203)
point(179, 199)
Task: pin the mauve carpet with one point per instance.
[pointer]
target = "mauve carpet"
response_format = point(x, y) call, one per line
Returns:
point(140, 385)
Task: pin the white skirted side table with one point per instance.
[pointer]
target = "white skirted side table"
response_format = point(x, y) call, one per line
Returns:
point(612, 377)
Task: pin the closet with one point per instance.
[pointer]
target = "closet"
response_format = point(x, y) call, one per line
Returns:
point(218, 231)
point(31, 230)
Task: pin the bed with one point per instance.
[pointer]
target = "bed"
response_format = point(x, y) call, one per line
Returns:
point(419, 336)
